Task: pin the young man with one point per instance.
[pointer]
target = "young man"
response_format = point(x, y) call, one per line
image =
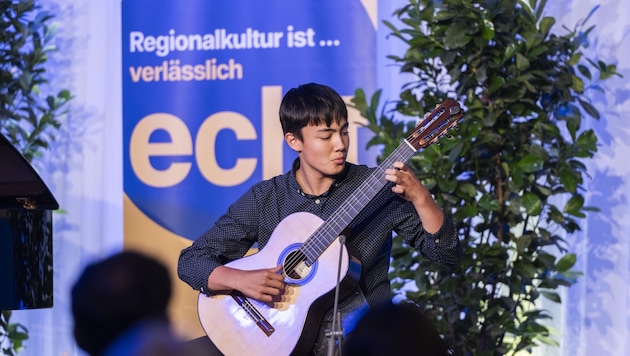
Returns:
point(314, 122)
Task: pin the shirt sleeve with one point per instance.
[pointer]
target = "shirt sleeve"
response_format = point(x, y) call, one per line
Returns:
point(442, 247)
point(228, 239)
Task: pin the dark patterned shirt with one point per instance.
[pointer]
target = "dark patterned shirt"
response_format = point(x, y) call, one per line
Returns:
point(254, 216)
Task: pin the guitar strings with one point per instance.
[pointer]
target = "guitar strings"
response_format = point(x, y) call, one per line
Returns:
point(309, 249)
point(313, 247)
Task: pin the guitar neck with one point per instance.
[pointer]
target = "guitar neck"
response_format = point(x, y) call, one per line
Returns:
point(444, 117)
point(343, 216)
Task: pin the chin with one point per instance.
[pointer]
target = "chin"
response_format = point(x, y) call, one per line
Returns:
point(338, 169)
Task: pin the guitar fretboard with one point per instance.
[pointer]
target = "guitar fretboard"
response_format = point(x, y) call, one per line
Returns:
point(315, 245)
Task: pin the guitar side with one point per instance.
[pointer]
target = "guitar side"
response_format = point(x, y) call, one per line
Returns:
point(239, 325)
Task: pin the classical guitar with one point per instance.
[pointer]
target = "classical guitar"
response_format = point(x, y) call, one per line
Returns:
point(304, 244)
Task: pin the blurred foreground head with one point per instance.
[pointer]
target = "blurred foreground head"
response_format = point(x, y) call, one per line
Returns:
point(115, 294)
point(395, 329)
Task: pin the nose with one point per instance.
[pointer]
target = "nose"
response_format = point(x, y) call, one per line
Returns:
point(340, 142)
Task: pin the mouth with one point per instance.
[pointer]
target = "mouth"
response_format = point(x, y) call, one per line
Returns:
point(339, 160)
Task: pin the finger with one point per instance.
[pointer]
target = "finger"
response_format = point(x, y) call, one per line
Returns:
point(272, 291)
point(399, 165)
point(275, 273)
point(265, 298)
point(275, 279)
point(278, 285)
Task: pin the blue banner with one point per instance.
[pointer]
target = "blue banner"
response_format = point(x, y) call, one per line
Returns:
point(202, 83)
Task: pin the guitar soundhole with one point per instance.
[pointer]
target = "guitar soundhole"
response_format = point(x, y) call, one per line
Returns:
point(295, 266)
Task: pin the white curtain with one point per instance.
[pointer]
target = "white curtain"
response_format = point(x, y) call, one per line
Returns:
point(594, 318)
point(84, 171)
point(84, 168)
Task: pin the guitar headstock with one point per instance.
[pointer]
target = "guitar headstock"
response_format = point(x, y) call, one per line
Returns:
point(435, 125)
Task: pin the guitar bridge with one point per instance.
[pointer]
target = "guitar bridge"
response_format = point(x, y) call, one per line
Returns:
point(253, 313)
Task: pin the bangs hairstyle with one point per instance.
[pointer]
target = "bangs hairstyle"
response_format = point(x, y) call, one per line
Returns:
point(310, 104)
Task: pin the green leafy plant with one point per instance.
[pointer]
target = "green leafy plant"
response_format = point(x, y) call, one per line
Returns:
point(512, 175)
point(29, 118)
point(12, 333)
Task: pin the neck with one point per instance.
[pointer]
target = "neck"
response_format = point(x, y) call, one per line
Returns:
point(312, 186)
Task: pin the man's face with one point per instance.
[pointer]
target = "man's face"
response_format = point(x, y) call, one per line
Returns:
point(324, 149)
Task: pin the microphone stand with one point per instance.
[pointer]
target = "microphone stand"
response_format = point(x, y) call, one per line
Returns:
point(336, 332)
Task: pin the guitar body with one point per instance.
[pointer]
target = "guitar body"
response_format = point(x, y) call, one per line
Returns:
point(241, 326)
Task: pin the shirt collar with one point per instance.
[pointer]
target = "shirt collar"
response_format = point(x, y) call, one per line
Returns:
point(336, 182)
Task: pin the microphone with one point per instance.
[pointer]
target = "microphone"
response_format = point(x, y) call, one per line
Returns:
point(336, 332)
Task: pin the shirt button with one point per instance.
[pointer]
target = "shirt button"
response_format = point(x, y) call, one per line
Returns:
point(437, 241)
point(316, 201)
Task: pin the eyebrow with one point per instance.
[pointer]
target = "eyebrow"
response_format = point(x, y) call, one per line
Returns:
point(330, 129)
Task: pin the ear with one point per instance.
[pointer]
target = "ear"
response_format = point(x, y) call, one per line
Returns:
point(293, 142)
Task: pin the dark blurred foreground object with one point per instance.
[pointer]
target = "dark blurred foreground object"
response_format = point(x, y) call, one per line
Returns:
point(119, 306)
point(127, 292)
point(26, 259)
point(395, 329)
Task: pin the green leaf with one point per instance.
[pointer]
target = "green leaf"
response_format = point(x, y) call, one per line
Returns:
point(545, 25)
point(532, 204)
point(523, 242)
point(467, 190)
point(447, 185)
point(510, 49)
point(487, 29)
point(530, 163)
point(574, 205)
point(609, 72)
point(464, 212)
point(584, 71)
point(522, 63)
point(528, 9)
point(586, 141)
point(577, 84)
point(359, 101)
point(537, 51)
point(18, 335)
point(554, 297)
point(496, 83)
point(575, 59)
point(489, 202)
point(590, 109)
point(489, 119)
point(506, 168)
point(566, 262)
point(568, 179)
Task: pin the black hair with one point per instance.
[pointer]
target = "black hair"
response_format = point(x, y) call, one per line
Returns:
point(114, 294)
point(310, 104)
